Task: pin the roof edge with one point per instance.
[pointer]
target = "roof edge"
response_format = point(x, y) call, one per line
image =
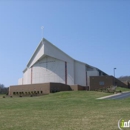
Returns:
point(39, 45)
point(58, 48)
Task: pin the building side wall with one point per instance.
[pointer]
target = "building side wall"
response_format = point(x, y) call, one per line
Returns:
point(70, 73)
point(100, 82)
point(77, 87)
point(49, 69)
point(52, 51)
point(45, 88)
point(56, 87)
point(80, 73)
point(27, 76)
point(20, 81)
point(91, 73)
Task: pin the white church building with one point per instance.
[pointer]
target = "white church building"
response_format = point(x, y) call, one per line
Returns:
point(50, 64)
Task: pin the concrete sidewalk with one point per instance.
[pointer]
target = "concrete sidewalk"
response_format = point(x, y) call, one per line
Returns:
point(117, 96)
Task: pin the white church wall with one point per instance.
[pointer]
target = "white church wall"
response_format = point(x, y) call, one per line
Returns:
point(53, 51)
point(80, 73)
point(20, 81)
point(49, 70)
point(27, 76)
point(93, 73)
point(70, 73)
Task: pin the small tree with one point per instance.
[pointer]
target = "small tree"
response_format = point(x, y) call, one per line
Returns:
point(3, 89)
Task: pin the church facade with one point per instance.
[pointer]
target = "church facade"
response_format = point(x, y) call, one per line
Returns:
point(50, 64)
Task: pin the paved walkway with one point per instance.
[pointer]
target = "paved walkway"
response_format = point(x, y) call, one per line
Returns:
point(117, 96)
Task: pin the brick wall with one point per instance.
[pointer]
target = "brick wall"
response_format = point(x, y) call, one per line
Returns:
point(56, 87)
point(45, 88)
point(77, 87)
point(42, 88)
point(102, 82)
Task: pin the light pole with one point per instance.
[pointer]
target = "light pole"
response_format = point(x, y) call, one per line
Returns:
point(114, 75)
point(114, 72)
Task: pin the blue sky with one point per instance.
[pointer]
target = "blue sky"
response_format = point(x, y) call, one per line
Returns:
point(93, 31)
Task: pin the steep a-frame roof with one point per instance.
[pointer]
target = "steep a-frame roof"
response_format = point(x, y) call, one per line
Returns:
point(47, 42)
point(41, 51)
point(43, 43)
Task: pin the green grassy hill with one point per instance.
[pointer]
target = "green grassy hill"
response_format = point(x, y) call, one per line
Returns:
point(63, 111)
point(122, 89)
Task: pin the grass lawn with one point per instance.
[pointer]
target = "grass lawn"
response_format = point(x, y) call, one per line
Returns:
point(63, 111)
point(122, 89)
